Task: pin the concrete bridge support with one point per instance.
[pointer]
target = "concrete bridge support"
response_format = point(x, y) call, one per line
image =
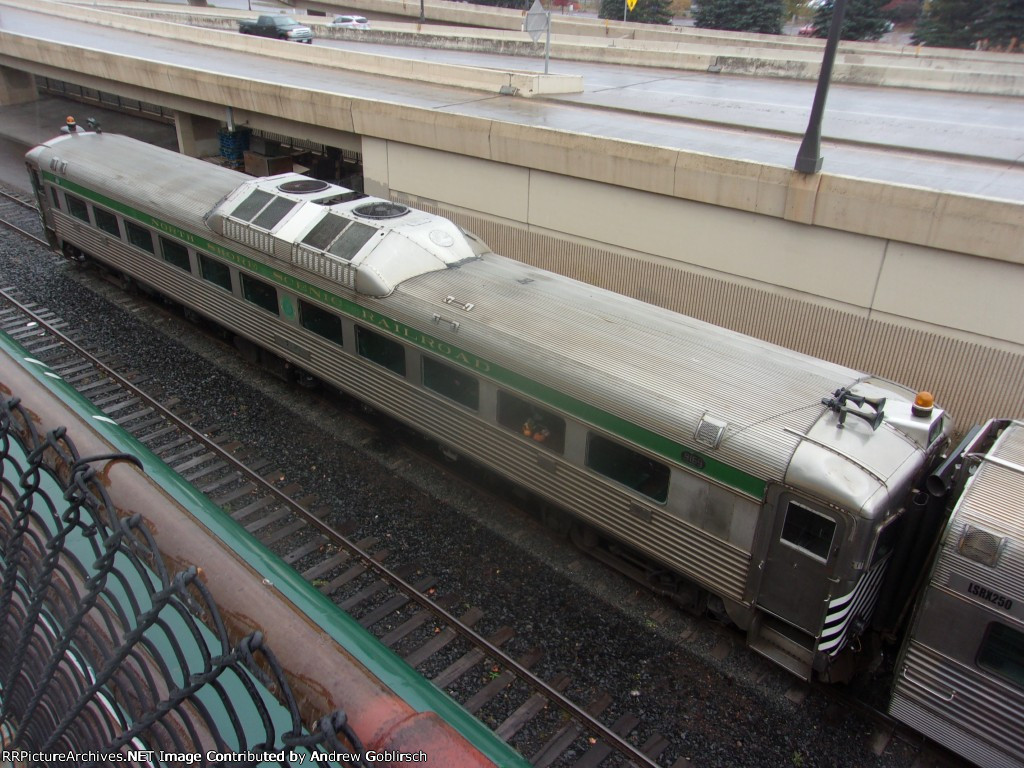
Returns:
point(16, 87)
point(197, 135)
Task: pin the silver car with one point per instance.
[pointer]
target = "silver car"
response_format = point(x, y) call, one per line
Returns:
point(351, 22)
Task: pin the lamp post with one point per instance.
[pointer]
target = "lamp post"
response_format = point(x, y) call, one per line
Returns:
point(808, 158)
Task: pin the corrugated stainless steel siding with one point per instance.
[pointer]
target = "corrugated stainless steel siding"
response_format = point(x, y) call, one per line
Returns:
point(994, 502)
point(940, 690)
point(971, 379)
point(960, 709)
point(683, 547)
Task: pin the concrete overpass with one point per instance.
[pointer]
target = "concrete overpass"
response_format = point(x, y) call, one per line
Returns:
point(918, 284)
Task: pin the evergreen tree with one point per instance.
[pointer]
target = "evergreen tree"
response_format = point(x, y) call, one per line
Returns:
point(948, 24)
point(644, 12)
point(862, 20)
point(1001, 24)
point(902, 11)
point(764, 16)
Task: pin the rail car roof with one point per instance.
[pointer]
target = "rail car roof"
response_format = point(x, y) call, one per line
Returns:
point(666, 372)
point(152, 178)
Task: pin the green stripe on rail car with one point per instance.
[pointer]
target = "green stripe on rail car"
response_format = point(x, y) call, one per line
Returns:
point(408, 684)
point(694, 461)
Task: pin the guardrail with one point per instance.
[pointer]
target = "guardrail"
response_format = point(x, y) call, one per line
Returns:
point(108, 651)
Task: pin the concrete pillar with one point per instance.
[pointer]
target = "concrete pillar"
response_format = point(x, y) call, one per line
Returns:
point(16, 87)
point(197, 135)
point(375, 167)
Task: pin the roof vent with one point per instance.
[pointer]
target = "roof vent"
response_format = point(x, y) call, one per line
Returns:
point(380, 210)
point(303, 186)
point(709, 431)
point(980, 546)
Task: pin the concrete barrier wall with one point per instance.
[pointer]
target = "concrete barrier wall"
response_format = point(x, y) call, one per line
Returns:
point(483, 17)
point(224, 34)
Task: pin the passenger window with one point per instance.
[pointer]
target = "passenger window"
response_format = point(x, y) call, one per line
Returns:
point(215, 272)
point(626, 466)
point(451, 382)
point(320, 321)
point(138, 236)
point(56, 198)
point(259, 293)
point(381, 350)
point(887, 539)
point(107, 221)
point(175, 254)
point(532, 421)
point(77, 208)
point(1002, 653)
point(808, 531)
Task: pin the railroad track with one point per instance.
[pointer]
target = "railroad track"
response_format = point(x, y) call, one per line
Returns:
point(400, 604)
point(21, 216)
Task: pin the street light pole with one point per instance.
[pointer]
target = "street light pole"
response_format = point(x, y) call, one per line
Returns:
point(808, 158)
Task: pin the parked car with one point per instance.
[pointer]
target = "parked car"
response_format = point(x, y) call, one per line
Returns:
point(807, 30)
point(351, 22)
point(280, 27)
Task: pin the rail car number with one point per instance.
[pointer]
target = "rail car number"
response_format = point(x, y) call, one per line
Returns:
point(693, 460)
point(998, 600)
point(987, 595)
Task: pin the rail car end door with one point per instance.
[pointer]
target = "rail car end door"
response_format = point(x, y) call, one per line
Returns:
point(799, 563)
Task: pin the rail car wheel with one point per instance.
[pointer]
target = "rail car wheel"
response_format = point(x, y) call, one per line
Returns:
point(249, 350)
point(306, 380)
point(584, 536)
point(555, 520)
point(72, 252)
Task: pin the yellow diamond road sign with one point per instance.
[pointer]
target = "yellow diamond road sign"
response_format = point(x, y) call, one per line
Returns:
point(631, 4)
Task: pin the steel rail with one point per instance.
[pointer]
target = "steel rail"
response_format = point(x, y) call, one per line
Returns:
point(15, 228)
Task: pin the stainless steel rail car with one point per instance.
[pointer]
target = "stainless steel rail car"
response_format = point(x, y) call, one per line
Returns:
point(774, 483)
point(960, 674)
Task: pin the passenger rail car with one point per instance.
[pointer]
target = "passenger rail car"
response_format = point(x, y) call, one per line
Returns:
point(766, 485)
point(960, 675)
